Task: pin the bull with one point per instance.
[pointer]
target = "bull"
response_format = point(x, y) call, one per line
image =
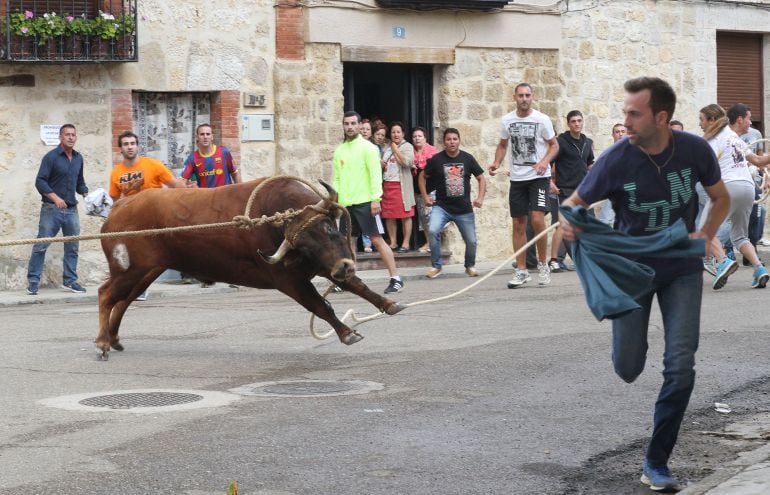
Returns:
point(303, 246)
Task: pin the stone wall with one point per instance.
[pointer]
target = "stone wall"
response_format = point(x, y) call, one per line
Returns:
point(473, 95)
point(604, 46)
point(309, 108)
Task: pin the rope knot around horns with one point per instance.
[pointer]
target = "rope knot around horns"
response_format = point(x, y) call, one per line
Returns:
point(244, 222)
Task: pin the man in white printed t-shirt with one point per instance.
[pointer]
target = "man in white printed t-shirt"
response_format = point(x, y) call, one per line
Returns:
point(533, 147)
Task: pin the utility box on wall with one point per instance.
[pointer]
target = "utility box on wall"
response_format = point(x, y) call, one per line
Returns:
point(257, 127)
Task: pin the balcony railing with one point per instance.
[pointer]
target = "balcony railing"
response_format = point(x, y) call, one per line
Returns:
point(68, 31)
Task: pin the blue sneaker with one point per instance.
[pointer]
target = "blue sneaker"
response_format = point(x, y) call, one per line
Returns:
point(659, 479)
point(74, 287)
point(760, 277)
point(32, 289)
point(725, 268)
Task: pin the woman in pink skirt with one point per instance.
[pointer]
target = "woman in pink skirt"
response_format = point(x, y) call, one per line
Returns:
point(398, 193)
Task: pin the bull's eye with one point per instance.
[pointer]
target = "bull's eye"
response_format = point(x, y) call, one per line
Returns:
point(327, 228)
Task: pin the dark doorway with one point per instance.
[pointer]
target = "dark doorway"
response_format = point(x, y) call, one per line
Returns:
point(393, 92)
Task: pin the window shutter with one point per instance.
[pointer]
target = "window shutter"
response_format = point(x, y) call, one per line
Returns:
point(739, 72)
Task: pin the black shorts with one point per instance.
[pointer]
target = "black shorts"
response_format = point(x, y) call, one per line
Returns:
point(528, 195)
point(363, 221)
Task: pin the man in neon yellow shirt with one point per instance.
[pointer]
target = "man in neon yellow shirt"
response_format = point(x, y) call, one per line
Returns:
point(358, 181)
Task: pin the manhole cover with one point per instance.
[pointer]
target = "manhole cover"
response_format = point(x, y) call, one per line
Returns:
point(150, 399)
point(308, 388)
point(142, 401)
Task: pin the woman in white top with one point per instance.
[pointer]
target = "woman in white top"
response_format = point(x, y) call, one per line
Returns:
point(733, 156)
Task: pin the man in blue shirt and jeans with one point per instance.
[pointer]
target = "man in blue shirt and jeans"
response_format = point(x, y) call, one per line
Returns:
point(60, 177)
point(650, 179)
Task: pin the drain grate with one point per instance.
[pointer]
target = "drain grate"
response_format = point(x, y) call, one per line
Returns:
point(132, 400)
point(142, 401)
point(308, 388)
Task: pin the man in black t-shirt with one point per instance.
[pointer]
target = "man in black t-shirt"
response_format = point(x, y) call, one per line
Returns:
point(576, 154)
point(449, 173)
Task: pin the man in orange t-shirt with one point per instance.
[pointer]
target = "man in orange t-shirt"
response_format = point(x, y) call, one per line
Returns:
point(136, 172)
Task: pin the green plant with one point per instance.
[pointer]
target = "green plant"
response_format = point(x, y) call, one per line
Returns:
point(78, 26)
point(22, 23)
point(127, 24)
point(105, 26)
point(48, 26)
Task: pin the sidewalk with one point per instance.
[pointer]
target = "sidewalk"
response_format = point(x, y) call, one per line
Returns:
point(165, 288)
point(748, 475)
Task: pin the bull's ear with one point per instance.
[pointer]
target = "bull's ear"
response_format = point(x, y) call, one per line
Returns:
point(330, 190)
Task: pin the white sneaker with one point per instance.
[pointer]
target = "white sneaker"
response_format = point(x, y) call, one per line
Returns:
point(520, 277)
point(763, 242)
point(544, 274)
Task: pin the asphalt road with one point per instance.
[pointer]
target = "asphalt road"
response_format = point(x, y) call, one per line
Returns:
point(497, 391)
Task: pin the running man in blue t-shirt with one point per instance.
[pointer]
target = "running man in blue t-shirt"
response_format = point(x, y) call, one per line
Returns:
point(650, 180)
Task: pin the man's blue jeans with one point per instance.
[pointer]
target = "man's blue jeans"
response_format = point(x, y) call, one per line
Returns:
point(466, 224)
point(680, 306)
point(53, 219)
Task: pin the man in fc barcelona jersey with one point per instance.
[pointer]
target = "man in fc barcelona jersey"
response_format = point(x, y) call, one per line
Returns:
point(210, 165)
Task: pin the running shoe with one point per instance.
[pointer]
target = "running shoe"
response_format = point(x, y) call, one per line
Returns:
point(725, 268)
point(710, 265)
point(32, 289)
point(543, 274)
point(659, 478)
point(74, 287)
point(394, 286)
point(555, 266)
point(471, 272)
point(433, 272)
point(760, 277)
point(520, 277)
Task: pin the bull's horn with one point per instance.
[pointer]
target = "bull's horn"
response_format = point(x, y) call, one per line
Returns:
point(278, 255)
point(330, 190)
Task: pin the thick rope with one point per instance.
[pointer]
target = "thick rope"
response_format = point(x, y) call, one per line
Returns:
point(241, 221)
point(357, 321)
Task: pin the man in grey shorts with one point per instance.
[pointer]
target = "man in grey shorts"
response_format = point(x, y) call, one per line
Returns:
point(358, 181)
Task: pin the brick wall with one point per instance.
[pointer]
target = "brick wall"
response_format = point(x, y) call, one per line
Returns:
point(289, 31)
point(225, 106)
point(122, 118)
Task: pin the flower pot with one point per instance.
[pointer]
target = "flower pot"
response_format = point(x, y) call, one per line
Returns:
point(73, 47)
point(124, 47)
point(99, 49)
point(48, 50)
point(22, 48)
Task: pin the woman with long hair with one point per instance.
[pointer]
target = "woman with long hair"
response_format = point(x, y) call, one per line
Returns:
point(397, 189)
point(733, 155)
point(423, 151)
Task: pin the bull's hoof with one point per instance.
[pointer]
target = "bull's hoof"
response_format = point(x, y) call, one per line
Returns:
point(102, 354)
point(352, 338)
point(395, 308)
point(117, 346)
